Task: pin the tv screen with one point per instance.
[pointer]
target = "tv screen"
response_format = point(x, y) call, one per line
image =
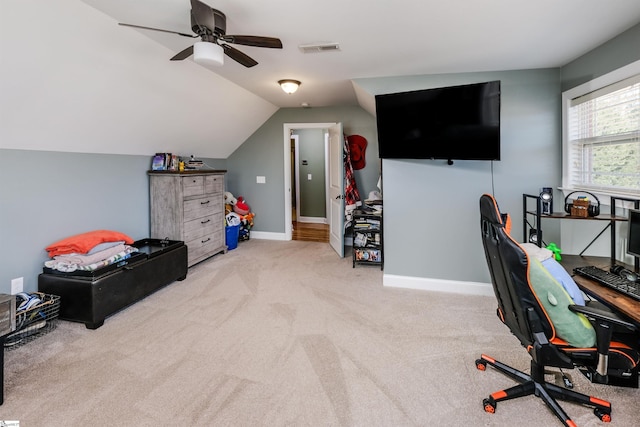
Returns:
point(452, 123)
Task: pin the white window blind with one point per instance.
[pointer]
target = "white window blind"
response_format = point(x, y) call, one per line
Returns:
point(604, 139)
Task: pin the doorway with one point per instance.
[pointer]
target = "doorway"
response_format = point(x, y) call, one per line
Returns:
point(335, 195)
point(309, 166)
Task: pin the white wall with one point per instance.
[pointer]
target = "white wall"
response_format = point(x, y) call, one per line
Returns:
point(73, 80)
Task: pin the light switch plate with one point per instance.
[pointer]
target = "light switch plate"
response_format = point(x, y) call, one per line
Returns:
point(261, 179)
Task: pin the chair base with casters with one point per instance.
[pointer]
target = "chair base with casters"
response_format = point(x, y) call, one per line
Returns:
point(535, 384)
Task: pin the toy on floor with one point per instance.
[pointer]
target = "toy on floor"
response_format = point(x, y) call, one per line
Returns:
point(238, 212)
point(241, 207)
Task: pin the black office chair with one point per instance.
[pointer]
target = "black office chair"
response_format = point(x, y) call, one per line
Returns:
point(613, 361)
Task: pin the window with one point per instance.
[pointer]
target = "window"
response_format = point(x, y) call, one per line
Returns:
point(602, 137)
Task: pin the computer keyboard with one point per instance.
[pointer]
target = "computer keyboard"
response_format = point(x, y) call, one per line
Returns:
point(610, 280)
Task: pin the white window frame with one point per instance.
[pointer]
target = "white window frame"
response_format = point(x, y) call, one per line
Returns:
point(588, 87)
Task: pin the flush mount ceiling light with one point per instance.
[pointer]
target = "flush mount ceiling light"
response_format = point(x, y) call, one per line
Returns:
point(289, 86)
point(207, 53)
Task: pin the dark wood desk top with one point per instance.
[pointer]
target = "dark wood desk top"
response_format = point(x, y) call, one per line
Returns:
point(630, 307)
point(601, 217)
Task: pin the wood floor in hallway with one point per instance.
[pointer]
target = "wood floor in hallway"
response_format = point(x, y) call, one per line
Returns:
point(310, 232)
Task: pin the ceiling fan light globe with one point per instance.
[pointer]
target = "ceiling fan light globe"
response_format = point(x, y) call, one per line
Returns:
point(207, 53)
point(289, 86)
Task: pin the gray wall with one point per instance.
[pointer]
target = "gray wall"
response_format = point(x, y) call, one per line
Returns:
point(46, 196)
point(262, 155)
point(616, 53)
point(311, 161)
point(431, 209)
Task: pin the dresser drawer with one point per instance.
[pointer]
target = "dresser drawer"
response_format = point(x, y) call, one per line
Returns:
point(202, 226)
point(205, 246)
point(192, 186)
point(201, 207)
point(213, 184)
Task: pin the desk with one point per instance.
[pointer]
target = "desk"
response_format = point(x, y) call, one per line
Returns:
point(628, 306)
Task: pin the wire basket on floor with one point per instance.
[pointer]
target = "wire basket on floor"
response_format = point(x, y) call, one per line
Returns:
point(35, 321)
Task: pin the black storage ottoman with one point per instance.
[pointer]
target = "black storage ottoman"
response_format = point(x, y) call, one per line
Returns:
point(90, 297)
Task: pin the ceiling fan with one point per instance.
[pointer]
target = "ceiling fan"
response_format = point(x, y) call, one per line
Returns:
point(211, 25)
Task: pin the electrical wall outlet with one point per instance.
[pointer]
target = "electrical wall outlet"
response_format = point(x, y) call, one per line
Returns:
point(17, 285)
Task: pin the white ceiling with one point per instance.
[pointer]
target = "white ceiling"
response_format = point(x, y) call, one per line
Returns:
point(384, 38)
point(73, 80)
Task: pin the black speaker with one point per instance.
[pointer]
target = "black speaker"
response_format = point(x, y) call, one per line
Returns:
point(533, 237)
point(546, 200)
point(592, 209)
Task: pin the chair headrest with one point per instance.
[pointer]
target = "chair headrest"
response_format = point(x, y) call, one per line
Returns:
point(490, 211)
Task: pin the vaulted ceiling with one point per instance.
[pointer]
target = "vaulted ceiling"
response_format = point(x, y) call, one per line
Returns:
point(384, 38)
point(72, 79)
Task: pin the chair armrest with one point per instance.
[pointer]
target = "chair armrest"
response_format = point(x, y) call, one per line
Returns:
point(602, 314)
point(604, 320)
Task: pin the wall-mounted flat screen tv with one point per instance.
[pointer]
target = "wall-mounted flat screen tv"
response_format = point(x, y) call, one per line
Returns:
point(451, 123)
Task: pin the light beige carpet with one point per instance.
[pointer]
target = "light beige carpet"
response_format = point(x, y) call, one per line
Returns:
point(283, 334)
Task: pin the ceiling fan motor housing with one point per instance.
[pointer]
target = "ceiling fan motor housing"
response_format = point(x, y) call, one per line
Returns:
point(203, 29)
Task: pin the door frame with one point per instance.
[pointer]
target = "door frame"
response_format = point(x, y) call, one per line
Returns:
point(288, 127)
point(296, 176)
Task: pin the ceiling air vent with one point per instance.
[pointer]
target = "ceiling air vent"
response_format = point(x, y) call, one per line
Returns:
point(319, 47)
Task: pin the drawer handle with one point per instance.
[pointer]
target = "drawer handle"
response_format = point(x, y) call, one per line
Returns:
point(204, 222)
point(205, 241)
point(205, 203)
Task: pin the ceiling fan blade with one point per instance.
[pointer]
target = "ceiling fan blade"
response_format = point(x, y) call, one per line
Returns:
point(158, 29)
point(238, 56)
point(256, 41)
point(183, 54)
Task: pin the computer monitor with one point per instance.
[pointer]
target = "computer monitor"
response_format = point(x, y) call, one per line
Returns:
point(633, 235)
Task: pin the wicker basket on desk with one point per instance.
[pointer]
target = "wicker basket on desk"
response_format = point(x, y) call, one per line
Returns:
point(580, 208)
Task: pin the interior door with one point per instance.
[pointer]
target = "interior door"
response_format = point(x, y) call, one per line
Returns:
point(336, 189)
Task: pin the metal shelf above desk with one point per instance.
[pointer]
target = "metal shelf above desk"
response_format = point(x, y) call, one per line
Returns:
point(610, 219)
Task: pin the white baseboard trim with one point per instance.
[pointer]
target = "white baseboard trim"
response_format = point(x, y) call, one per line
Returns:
point(439, 285)
point(312, 219)
point(267, 235)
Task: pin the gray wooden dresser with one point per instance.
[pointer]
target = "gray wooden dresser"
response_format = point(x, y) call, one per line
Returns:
point(189, 206)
